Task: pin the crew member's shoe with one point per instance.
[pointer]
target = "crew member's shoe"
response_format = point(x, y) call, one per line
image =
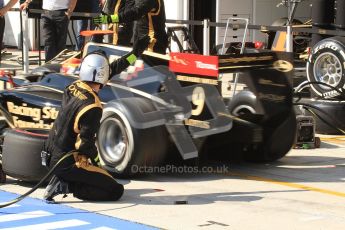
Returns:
point(55, 187)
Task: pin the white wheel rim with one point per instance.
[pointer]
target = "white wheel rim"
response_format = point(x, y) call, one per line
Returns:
point(328, 69)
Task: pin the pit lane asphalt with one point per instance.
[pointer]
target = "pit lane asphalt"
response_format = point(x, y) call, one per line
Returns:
point(304, 190)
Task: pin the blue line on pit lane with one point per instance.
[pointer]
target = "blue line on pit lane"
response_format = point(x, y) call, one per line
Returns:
point(33, 213)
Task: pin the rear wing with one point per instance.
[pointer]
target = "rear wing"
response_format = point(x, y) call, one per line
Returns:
point(213, 66)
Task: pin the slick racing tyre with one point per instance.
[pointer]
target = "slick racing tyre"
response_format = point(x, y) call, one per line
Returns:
point(124, 149)
point(278, 134)
point(278, 138)
point(21, 156)
point(333, 112)
point(325, 65)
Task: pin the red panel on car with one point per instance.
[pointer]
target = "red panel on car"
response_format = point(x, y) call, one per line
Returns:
point(194, 64)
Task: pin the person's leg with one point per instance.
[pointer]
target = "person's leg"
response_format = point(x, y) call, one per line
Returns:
point(96, 9)
point(55, 187)
point(61, 22)
point(160, 43)
point(109, 8)
point(88, 184)
point(93, 193)
point(81, 26)
point(160, 47)
point(49, 35)
point(2, 31)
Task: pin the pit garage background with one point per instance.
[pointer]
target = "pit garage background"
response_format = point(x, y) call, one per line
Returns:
point(263, 12)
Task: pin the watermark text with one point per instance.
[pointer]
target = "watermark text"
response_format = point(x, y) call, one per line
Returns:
point(180, 169)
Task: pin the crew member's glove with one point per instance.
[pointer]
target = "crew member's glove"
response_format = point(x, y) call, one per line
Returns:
point(138, 48)
point(81, 161)
point(105, 19)
point(96, 161)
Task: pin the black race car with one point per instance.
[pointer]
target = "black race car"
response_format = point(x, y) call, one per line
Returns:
point(164, 104)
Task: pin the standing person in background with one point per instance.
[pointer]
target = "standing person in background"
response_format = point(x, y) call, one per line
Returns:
point(123, 32)
point(90, 6)
point(55, 20)
point(3, 10)
point(150, 16)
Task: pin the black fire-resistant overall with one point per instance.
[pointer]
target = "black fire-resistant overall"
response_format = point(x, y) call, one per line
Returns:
point(123, 32)
point(150, 16)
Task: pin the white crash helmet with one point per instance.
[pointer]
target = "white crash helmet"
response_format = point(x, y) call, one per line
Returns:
point(95, 68)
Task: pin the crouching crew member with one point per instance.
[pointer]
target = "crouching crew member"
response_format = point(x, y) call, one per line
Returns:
point(75, 129)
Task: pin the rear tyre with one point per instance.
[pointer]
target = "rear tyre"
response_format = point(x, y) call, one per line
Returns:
point(124, 149)
point(278, 139)
point(278, 133)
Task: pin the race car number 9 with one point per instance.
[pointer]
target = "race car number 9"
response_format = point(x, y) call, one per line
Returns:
point(198, 99)
point(202, 96)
